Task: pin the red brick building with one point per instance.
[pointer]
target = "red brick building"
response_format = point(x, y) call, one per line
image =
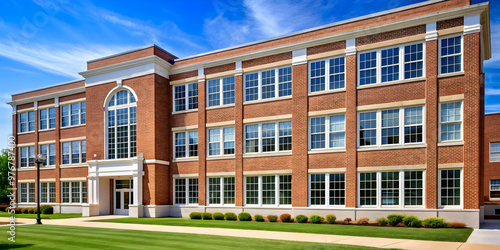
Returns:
point(360, 118)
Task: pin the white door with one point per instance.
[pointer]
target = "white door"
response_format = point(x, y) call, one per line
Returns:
point(123, 196)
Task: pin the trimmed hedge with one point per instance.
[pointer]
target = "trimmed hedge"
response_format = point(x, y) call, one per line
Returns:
point(382, 221)
point(285, 218)
point(301, 218)
point(195, 216)
point(316, 219)
point(412, 221)
point(230, 216)
point(435, 222)
point(258, 217)
point(218, 216)
point(362, 221)
point(244, 217)
point(395, 219)
point(330, 219)
point(46, 209)
point(25, 210)
point(206, 216)
point(456, 225)
point(272, 218)
point(31, 210)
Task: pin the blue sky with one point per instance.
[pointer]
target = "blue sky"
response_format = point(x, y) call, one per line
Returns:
point(46, 42)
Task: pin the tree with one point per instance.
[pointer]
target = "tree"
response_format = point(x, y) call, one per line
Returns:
point(4, 177)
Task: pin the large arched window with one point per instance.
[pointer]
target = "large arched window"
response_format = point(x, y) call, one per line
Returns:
point(122, 125)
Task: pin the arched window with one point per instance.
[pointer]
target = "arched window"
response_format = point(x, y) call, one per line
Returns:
point(122, 125)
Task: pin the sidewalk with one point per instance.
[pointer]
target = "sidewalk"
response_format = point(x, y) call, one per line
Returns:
point(489, 233)
point(272, 235)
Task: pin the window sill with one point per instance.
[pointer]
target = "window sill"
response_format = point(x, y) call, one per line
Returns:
point(390, 147)
point(325, 92)
point(74, 126)
point(451, 143)
point(374, 85)
point(46, 130)
point(26, 133)
point(495, 161)
point(185, 159)
point(185, 205)
point(74, 165)
point(220, 106)
point(34, 168)
point(218, 157)
point(461, 73)
point(267, 154)
point(267, 100)
point(266, 206)
point(185, 111)
point(326, 151)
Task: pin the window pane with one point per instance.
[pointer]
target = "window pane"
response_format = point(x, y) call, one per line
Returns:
point(193, 143)
point(390, 65)
point(268, 190)
point(268, 83)
point(337, 131)
point(413, 188)
point(180, 145)
point(213, 92)
point(180, 191)
point(318, 187)
point(317, 74)
point(451, 58)
point(367, 68)
point(285, 189)
point(180, 97)
point(337, 189)
point(413, 124)
point(413, 57)
point(337, 73)
point(268, 137)
point(367, 128)
point(252, 190)
point(193, 191)
point(228, 90)
point(229, 192)
point(252, 141)
point(285, 136)
point(390, 126)
point(318, 132)
point(450, 187)
point(228, 141)
point(214, 141)
point(193, 96)
point(285, 81)
point(390, 188)
point(368, 189)
point(252, 87)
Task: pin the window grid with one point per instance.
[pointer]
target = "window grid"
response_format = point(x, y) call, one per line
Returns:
point(221, 138)
point(367, 68)
point(368, 128)
point(413, 130)
point(317, 189)
point(180, 191)
point(47, 118)
point(214, 191)
point(73, 114)
point(74, 192)
point(368, 189)
point(285, 190)
point(334, 133)
point(451, 121)
point(252, 190)
point(186, 97)
point(268, 137)
point(414, 61)
point(27, 122)
point(390, 188)
point(229, 190)
point(268, 190)
point(450, 50)
point(221, 191)
point(336, 189)
point(186, 144)
point(390, 64)
point(390, 126)
point(494, 151)
point(193, 191)
point(74, 152)
point(27, 156)
point(494, 189)
point(49, 151)
point(317, 72)
point(450, 192)
point(285, 82)
point(413, 184)
point(122, 126)
point(220, 91)
point(268, 84)
point(27, 192)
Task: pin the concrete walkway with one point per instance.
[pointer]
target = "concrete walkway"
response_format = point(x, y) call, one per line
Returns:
point(272, 235)
point(489, 233)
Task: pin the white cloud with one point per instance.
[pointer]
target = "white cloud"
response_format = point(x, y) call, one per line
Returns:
point(489, 91)
point(492, 107)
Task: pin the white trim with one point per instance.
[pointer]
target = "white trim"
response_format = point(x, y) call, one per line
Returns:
point(326, 170)
point(451, 142)
point(184, 175)
point(267, 172)
point(299, 57)
point(221, 154)
point(461, 54)
point(431, 31)
point(461, 206)
point(260, 190)
point(187, 197)
point(220, 93)
point(221, 191)
point(220, 174)
point(73, 139)
point(155, 161)
point(268, 154)
point(451, 165)
point(73, 179)
point(327, 75)
point(73, 101)
point(327, 134)
point(186, 97)
point(472, 24)
point(186, 145)
point(490, 152)
point(276, 84)
point(350, 47)
point(327, 190)
point(192, 127)
point(260, 145)
point(267, 118)
point(219, 124)
point(451, 98)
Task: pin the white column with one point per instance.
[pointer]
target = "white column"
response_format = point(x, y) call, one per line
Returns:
point(93, 190)
point(137, 184)
point(299, 57)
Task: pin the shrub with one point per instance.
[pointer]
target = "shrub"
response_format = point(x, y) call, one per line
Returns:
point(18, 210)
point(206, 216)
point(230, 216)
point(31, 210)
point(244, 217)
point(6, 209)
point(316, 219)
point(195, 216)
point(25, 210)
point(412, 221)
point(347, 220)
point(456, 225)
point(272, 218)
point(285, 218)
point(331, 219)
point(362, 221)
point(292, 220)
point(301, 218)
point(218, 216)
point(395, 219)
point(382, 221)
point(435, 222)
point(258, 217)
point(46, 209)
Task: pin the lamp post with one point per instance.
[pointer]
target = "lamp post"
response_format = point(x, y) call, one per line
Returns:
point(39, 160)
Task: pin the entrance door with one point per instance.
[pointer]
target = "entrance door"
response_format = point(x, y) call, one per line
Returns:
point(123, 196)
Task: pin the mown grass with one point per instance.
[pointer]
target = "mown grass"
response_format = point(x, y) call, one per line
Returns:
point(50, 216)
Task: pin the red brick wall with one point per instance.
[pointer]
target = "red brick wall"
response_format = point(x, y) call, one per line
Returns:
point(491, 169)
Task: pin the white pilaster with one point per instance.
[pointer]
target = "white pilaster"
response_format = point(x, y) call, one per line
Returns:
point(472, 24)
point(350, 47)
point(238, 69)
point(35, 105)
point(431, 31)
point(201, 74)
point(14, 109)
point(56, 101)
point(93, 190)
point(299, 57)
point(137, 184)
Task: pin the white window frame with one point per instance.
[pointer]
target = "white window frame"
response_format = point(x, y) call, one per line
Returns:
point(70, 113)
point(80, 148)
point(28, 151)
point(327, 74)
point(401, 128)
point(27, 122)
point(27, 191)
point(327, 131)
point(461, 122)
point(495, 185)
point(186, 132)
point(186, 191)
point(221, 191)
point(276, 138)
point(493, 159)
point(48, 155)
point(327, 191)
point(461, 190)
point(401, 190)
point(260, 191)
point(461, 53)
point(221, 148)
point(220, 93)
point(259, 85)
point(115, 108)
point(81, 184)
point(401, 64)
point(48, 192)
point(47, 120)
point(186, 97)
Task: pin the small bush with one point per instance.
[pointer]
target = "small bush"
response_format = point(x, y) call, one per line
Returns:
point(395, 219)
point(258, 217)
point(382, 221)
point(435, 222)
point(46, 209)
point(301, 218)
point(206, 216)
point(230, 216)
point(18, 210)
point(195, 216)
point(218, 216)
point(316, 219)
point(6, 209)
point(412, 221)
point(457, 225)
point(244, 217)
point(331, 219)
point(285, 218)
point(272, 218)
point(347, 220)
point(362, 221)
point(31, 210)
point(25, 210)
point(292, 220)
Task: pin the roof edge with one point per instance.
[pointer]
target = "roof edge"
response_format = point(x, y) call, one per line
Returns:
point(131, 51)
point(48, 87)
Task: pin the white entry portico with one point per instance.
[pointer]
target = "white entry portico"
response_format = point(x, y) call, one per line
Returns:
point(104, 176)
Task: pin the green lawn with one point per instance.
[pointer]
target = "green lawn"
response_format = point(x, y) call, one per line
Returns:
point(63, 237)
point(51, 216)
point(442, 234)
